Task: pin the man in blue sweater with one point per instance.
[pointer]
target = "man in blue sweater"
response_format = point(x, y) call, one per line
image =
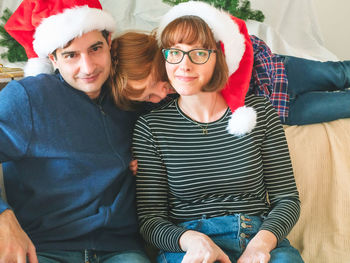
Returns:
point(64, 145)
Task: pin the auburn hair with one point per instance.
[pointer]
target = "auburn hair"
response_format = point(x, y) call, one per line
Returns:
point(132, 55)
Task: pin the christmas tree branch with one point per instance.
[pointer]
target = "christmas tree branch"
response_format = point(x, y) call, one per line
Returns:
point(15, 52)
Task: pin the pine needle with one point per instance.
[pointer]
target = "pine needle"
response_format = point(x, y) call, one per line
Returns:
point(15, 52)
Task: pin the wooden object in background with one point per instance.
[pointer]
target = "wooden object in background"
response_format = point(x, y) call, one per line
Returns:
point(8, 74)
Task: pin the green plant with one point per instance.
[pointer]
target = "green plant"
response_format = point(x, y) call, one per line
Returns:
point(238, 8)
point(15, 52)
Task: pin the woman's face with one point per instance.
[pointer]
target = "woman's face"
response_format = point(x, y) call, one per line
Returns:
point(186, 77)
point(154, 91)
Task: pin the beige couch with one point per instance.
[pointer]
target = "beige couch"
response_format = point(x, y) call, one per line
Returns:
point(321, 161)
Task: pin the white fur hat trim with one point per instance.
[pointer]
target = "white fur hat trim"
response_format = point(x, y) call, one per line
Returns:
point(57, 30)
point(35, 66)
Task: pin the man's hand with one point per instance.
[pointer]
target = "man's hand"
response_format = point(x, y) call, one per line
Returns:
point(15, 245)
point(133, 166)
point(200, 248)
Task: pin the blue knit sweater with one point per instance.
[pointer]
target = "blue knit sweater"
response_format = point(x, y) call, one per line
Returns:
point(65, 162)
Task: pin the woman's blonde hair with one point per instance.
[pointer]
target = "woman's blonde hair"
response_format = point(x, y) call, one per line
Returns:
point(194, 30)
point(132, 59)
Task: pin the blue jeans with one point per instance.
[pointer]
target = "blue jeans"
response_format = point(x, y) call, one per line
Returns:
point(232, 233)
point(318, 91)
point(92, 256)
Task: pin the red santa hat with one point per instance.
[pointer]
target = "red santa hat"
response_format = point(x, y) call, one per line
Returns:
point(235, 42)
point(42, 26)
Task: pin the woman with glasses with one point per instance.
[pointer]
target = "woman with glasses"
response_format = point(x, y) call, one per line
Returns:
point(204, 192)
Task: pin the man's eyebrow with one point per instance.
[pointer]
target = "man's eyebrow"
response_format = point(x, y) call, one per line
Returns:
point(98, 43)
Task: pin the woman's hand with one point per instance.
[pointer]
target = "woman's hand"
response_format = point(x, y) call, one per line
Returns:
point(254, 254)
point(200, 248)
point(259, 248)
point(133, 166)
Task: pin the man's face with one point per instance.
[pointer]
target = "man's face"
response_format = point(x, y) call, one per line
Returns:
point(85, 62)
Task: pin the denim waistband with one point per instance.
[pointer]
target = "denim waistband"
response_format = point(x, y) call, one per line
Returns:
point(245, 226)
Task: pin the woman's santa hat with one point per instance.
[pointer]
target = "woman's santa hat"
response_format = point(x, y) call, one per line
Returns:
point(42, 26)
point(235, 42)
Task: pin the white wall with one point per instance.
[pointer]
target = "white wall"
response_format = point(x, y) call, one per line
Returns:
point(334, 24)
point(331, 30)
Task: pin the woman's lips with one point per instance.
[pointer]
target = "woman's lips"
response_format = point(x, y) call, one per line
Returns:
point(185, 78)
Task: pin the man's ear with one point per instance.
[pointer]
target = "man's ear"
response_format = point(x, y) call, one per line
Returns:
point(53, 60)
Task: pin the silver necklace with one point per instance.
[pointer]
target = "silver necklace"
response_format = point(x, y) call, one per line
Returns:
point(204, 127)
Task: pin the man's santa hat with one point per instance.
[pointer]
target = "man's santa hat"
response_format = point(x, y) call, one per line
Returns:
point(42, 26)
point(235, 42)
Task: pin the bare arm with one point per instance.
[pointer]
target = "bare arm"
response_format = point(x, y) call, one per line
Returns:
point(15, 245)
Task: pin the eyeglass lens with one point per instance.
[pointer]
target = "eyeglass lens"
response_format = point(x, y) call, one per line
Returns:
point(197, 56)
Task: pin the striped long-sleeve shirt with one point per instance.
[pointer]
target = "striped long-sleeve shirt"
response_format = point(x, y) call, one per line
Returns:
point(184, 174)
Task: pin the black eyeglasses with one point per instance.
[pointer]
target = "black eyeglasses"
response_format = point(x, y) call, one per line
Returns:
point(197, 56)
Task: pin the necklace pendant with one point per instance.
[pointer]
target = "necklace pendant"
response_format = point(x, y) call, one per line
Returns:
point(205, 131)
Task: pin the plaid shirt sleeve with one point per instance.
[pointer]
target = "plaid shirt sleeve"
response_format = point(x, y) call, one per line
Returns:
point(269, 77)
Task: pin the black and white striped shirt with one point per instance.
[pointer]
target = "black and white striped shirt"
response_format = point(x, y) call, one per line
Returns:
point(184, 174)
